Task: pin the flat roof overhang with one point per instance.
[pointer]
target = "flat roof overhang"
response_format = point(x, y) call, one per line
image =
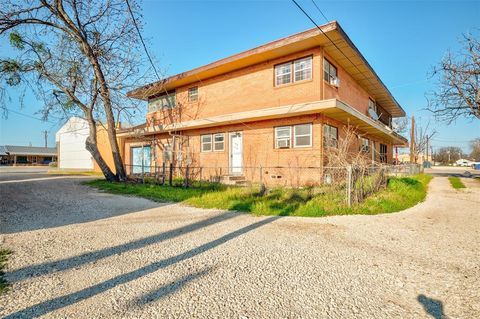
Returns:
point(31, 154)
point(360, 70)
point(332, 108)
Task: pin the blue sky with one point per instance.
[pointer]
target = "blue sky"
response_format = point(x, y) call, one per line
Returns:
point(402, 40)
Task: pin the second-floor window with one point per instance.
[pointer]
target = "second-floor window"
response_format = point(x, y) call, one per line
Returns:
point(372, 105)
point(330, 136)
point(302, 69)
point(329, 71)
point(165, 101)
point(193, 94)
point(293, 71)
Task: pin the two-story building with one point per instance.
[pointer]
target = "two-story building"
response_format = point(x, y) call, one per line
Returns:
point(284, 103)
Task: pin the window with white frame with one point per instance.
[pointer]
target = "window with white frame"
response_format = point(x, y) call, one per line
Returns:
point(283, 73)
point(302, 69)
point(206, 141)
point(283, 136)
point(213, 142)
point(302, 135)
point(293, 71)
point(218, 142)
point(372, 105)
point(193, 94)
point(329, 71)
point(364, 144)
point(330, 136)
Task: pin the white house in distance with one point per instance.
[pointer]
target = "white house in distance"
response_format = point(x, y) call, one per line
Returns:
point(71, 145)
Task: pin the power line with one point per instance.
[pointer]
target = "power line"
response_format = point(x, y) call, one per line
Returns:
point(334, 44)
point(141, 38)
point(321, 12)
point(29, 116)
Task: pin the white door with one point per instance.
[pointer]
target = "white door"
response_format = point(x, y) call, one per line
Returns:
point(236, 153)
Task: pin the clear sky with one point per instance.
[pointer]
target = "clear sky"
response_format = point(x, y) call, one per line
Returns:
point(402, 40)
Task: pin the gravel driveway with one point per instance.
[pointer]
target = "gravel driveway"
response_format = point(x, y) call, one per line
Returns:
point(81, 253)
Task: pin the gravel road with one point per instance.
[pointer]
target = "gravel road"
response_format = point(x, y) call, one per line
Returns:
point(81, 253)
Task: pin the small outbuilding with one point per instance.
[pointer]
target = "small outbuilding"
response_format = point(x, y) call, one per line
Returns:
point(70, 140)
point(27, 155)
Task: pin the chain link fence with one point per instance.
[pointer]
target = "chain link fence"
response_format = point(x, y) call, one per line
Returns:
point(349, 184)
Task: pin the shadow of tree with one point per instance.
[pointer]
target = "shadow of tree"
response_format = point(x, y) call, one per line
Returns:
point(48, 306)
point(170, 288)
point(432, 306)
point(76, 261)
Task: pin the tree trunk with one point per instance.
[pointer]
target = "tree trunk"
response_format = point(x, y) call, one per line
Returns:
point(91, 146)
point(112, 136)
point(107, 104)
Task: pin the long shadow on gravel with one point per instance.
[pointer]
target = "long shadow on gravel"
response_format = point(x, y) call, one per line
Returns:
point(32, 205)
point(64, 301)
point(79, 260)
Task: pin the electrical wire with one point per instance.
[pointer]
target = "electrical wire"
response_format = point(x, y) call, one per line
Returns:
point(319, 10)
point(334, 44)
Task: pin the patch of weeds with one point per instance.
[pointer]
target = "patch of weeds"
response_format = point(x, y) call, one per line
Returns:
point(4, 253)
point(456, 182)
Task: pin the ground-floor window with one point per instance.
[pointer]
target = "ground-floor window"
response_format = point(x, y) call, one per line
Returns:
point(330, 136)
point(302, 136)
point(218, 142)
point(215, 142)
point(22, 159)
point(364, 144)
point(383, 153)
point(374, 152)
point(283, 136)
point(141, 159)
point(206, 141)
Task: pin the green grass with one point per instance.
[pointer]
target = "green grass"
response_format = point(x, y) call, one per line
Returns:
point(400, 193)
point(456, 182)
point(4, 253)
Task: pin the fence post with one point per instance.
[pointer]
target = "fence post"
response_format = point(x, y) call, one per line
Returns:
point(170, 175)
point(349, 185)
point(201, 168)
point(163, 173)
point(185, 182)
point(143, 173)
point(155, 171)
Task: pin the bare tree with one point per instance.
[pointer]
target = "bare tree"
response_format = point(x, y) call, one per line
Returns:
point(448, 154)
point(475, 146)
point(458, 91)
point(400, 124)
point(78, 56)
point(347, 150)
point(423, 135)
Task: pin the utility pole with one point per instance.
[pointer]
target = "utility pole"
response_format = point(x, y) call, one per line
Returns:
point(426, 148)
point(412, 141)
point(45, 134)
